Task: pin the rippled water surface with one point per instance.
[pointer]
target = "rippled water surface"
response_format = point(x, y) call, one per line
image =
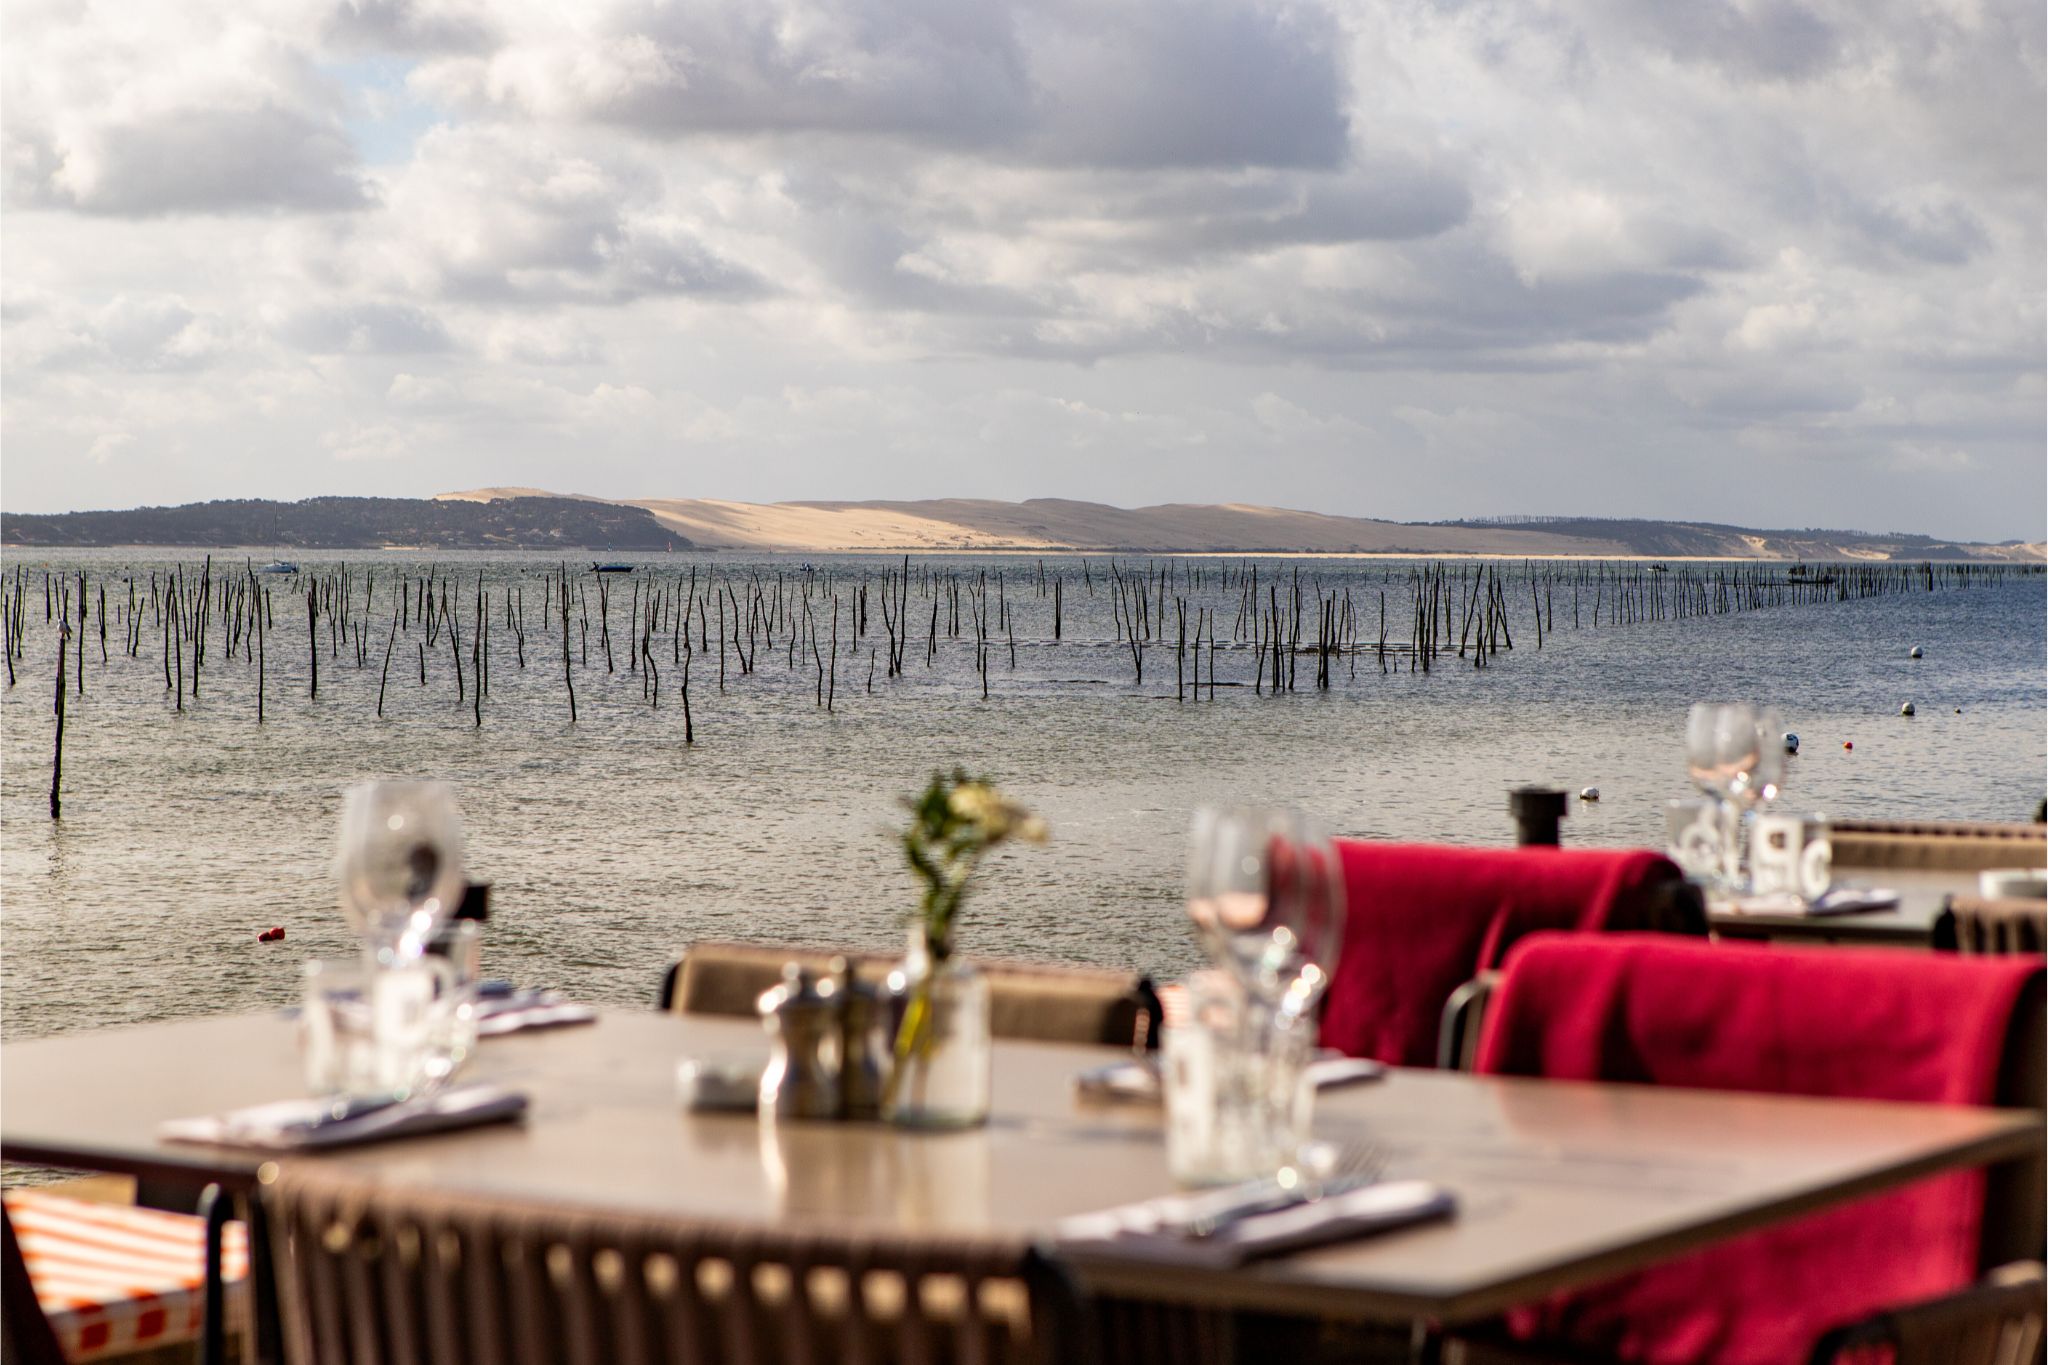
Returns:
point(611, 843)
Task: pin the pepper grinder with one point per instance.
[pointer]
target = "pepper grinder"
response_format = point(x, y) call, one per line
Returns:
point(864, 1043)
point(802, 1017)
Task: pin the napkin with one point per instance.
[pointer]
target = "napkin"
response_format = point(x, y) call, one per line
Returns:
point(1152, 1230)
point(515, 1011)
point(1135, 1080)
point(315, 1124)
point(1838, 900)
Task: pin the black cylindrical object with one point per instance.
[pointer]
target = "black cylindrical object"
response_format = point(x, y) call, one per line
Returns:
point(476, 902)
point(1537, 811)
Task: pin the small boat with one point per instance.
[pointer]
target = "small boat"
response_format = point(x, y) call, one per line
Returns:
point(611, 568)
point(279, 566)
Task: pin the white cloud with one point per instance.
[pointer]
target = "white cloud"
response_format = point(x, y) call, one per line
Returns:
point(360, 442)
point(821, 246)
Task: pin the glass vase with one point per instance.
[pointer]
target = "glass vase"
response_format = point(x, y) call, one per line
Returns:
point(942, 1059)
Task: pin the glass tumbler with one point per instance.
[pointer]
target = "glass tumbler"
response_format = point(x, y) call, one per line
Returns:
point(1238, 1097)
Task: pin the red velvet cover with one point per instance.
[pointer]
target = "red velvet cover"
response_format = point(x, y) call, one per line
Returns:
point(1869, 1024)
point(1420, 920)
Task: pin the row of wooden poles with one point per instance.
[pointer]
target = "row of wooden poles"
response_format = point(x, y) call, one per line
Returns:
point(810, 618)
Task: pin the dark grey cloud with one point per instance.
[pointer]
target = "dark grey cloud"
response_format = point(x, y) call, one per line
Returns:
point(205, 160)
point(1205, 83)
point(1763, 40)
point(1939, 233)
point(1161, 218)
point(405, 26)
point(1058, 82)
point(365, 329)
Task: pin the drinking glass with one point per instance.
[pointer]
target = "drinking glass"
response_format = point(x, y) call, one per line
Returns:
point(1721, 747)
point(1238, 1098)
point(400, 864)
point(1266, 892)
point(1734, 754)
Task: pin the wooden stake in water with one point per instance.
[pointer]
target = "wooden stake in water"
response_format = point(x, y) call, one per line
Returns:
point(57, 757)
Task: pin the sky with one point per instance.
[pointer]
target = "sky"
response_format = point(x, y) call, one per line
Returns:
point(1771, 262)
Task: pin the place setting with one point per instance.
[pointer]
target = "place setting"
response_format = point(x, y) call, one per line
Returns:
point(1238, 1070)
point(385, 1035)
point(1749, 857)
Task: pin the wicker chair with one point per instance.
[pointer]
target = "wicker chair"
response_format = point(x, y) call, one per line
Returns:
point(1976, 924)
point(1937, 845)
point(1038, 1001)
point(407, 1277)
point(1998, 1322)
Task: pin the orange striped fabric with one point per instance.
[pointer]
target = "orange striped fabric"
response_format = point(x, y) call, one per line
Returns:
point(111, 1277)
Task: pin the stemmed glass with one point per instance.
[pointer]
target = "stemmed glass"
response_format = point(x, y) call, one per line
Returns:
point(400, 865)
point(1266, 892)
point(1734, 755)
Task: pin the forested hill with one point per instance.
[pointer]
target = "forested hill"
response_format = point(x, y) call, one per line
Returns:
point(357, 524)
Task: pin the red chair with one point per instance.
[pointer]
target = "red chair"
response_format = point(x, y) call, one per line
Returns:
point(1421, 920)
point(1881, 1025)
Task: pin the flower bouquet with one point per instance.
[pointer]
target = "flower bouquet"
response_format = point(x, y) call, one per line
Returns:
point(939, 1075)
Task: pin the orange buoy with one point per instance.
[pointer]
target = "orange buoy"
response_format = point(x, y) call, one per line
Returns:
point(1847, 745)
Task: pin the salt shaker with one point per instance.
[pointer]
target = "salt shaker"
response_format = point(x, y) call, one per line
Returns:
point(802, 1017)
point(864, 1043)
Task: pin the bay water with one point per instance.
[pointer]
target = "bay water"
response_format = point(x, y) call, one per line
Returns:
point(611, 843)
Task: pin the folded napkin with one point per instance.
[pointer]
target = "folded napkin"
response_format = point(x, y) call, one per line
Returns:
point(1135, 1080)
point(516, 1011)
point(1175, 1230)
point(312, 1125)
point(1838, 900)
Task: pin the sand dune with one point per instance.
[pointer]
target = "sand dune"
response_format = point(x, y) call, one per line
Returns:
point(1229, 528)
point(1059, 524)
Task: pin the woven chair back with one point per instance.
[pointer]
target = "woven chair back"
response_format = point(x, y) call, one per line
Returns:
point(1937, 845)
point(1041, 1002)
point(378, 1276)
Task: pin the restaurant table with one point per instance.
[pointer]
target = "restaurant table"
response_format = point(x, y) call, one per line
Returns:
point(1558, 1183)
point(1923, 895)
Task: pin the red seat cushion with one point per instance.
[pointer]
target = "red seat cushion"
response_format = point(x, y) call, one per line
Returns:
point(1661, 1010)
point(1420, 920)
point(112, 1278)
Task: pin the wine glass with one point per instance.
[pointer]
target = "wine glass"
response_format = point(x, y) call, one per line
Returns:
point(1266, 892)
point(1722, 746)
point(399, 861)
point(1761, 773)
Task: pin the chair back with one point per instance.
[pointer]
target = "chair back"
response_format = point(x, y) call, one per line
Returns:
point(24, 1331)
point(1996, 1323)
point(1980, 924)
point(1042, 1002)
point(378, 1274)
point(1421, 920)
point(1837, 1022)
point(1937, 845)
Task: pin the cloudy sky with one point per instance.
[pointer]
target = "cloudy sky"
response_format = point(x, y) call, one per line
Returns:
point(1777, 262)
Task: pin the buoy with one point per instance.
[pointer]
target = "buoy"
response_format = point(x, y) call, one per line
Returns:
point(1847, 745)
point(1791, 742)
point(1959, 710)
point(271, 935)
point(277, 934)
point(1906, 709)
point(1589, 794)
point(1913, 653)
